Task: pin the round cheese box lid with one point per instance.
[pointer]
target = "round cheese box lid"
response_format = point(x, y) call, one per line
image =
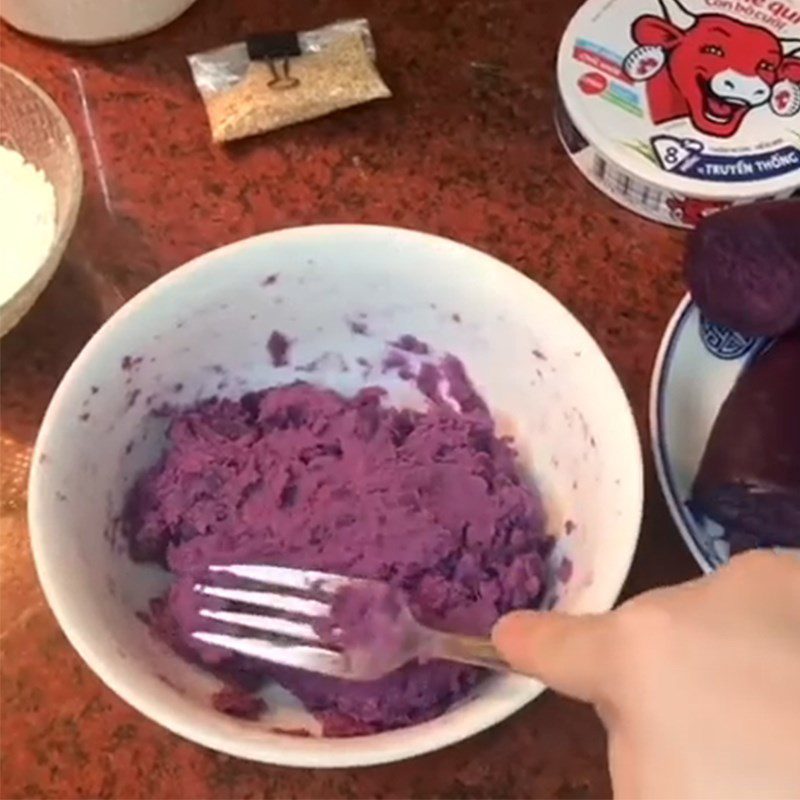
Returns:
point(685, 99)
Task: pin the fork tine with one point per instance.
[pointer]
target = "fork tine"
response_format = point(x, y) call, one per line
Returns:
point(315, 659)
point(306, 580)
point(280, 602)
point(285, 627)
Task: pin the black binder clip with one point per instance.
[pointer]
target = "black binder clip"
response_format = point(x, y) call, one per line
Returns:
point(277, 49)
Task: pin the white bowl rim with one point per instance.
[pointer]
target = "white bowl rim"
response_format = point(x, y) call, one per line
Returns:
point(298, 751)
point(658, 389)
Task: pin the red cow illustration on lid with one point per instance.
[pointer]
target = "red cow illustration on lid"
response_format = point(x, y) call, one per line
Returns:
point(711, 68)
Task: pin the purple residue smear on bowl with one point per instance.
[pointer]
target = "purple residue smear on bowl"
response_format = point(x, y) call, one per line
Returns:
point(430, 502)
point(411, 344)
point(278, 346)
point(358, 327)
point(238, 702)
point(130, 362)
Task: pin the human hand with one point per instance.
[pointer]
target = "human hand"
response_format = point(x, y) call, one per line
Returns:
point(698, 685)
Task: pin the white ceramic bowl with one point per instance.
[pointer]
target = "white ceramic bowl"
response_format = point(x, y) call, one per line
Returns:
point(91, 21)
point(543, 376)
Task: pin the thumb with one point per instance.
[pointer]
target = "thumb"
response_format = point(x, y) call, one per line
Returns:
point(568, 653)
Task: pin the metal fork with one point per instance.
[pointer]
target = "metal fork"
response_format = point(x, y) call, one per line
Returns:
point(296, 643)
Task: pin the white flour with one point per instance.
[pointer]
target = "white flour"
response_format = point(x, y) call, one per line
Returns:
point(27, 220)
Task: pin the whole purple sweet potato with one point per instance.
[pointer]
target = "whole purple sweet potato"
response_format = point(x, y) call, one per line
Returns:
point(743, 267)
point(749, 478)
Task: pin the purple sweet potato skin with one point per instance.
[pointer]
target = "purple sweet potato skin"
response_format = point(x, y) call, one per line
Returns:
point(749, 478)
point(742, 266)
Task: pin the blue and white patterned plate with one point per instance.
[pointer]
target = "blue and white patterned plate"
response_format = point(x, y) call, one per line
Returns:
point(696, 367)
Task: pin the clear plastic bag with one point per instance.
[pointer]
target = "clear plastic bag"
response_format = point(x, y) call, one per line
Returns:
point(274, 80)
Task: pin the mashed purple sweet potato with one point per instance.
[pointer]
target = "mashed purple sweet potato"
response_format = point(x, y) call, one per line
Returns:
point(430, 502)
point(370, 623)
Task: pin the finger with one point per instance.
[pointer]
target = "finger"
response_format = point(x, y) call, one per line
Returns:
point(566, 652)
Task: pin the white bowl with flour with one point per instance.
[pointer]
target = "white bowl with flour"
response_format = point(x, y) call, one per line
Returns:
point(27, 220)
point(41, 181)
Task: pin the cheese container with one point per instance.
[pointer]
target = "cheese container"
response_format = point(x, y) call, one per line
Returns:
point(676, 110)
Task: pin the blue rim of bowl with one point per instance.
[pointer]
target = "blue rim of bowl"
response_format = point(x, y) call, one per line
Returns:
point(677, 507)
point(681, 513)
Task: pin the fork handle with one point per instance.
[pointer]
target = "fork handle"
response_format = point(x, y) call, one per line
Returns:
point(476, 650)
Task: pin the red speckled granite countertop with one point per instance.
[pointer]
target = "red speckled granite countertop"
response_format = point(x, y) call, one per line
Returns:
point(465, 150)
